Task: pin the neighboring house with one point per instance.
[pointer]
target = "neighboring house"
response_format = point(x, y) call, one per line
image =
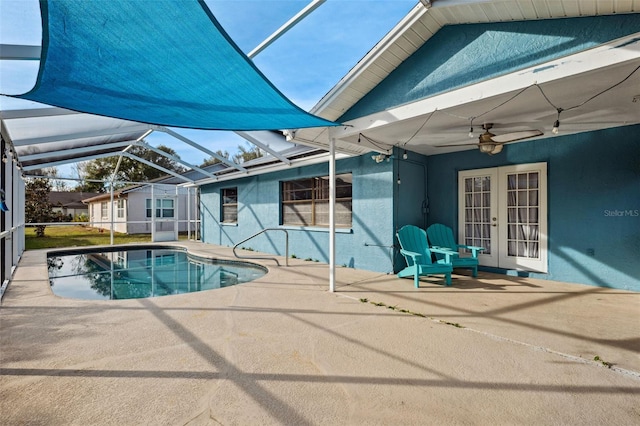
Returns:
point(70, 203)
point(563, 207)
point(141, 209)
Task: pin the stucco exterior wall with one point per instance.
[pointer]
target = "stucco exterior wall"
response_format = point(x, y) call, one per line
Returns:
point(368, 244)
point(96, 219)
point(460, 55)
point(593, 201)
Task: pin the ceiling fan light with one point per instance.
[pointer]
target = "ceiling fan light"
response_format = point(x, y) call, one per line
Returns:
point(497, 149)
point(487, 148)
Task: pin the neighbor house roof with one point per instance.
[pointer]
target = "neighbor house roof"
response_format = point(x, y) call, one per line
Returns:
point(69, 199)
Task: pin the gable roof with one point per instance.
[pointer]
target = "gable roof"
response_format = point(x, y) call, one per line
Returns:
point(419, 26)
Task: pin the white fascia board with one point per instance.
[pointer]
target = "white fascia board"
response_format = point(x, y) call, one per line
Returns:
point(270, 168)
point(623, 50)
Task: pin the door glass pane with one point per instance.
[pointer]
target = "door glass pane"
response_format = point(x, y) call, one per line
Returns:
point(534, 250)
point(468, 186)
point(523, 198)
point(522, 181)
point(486, 215)
point(486, 231)
point(486, 184)
point(523, 238)
point(477, 213)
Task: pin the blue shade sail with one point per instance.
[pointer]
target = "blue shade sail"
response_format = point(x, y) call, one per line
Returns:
point(165, 62)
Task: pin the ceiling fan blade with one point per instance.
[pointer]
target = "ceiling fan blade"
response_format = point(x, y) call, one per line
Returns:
point(455, 144)
point(516, 136)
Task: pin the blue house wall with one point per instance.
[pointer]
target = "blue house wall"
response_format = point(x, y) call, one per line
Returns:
point(459, 55)
point(593, 201)
point(594, 186)
point(593, 178)
point(368, 244)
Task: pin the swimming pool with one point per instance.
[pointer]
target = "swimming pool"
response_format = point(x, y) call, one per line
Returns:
point(132, 273)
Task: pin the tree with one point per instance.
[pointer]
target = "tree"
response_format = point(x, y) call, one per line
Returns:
point(130, 170)
point(83, 185)
point(213, 160)
point(37, 208)
point(56, 183)
point(247, 153)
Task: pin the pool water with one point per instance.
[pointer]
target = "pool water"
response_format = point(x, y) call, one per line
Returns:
point(142, 272)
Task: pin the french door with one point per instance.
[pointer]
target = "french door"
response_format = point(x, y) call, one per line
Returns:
point(504, 210)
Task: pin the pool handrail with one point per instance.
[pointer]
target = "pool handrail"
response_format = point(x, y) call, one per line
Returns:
point(286, 246)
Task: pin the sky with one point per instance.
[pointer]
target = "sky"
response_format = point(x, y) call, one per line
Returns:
point(304, 64)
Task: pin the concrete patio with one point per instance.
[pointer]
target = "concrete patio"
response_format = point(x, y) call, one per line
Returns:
point(283, 350)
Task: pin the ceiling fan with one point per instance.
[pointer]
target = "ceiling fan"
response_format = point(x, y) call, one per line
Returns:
point(491, 144)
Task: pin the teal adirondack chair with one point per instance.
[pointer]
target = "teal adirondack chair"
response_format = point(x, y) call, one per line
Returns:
point(415, 249)
point(441, 236)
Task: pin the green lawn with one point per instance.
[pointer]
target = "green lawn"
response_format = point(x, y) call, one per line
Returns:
point(75, 236)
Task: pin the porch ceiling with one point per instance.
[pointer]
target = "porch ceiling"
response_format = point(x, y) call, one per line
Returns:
point(592, 97)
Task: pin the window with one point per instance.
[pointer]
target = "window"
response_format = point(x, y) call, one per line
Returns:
point(120, 209)
point(104, 210)
point(305, 202)
point(164, 207)
point(229, 205)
